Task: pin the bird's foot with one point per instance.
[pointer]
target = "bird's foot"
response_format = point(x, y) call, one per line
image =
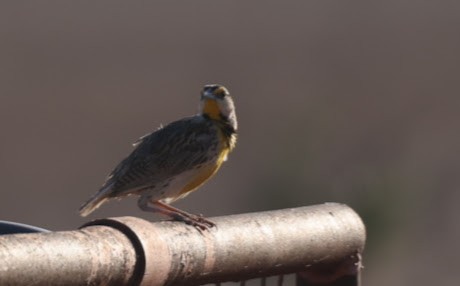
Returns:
point(199, 222)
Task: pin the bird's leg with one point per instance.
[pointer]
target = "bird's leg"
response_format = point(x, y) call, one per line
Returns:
point(177, 214)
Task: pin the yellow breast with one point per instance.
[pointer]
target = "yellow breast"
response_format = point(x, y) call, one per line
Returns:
point(205, 173)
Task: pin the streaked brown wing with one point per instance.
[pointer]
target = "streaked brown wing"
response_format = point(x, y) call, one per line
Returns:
point(165, 153)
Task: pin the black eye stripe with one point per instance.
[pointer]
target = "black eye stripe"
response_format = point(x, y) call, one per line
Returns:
point(219, 91)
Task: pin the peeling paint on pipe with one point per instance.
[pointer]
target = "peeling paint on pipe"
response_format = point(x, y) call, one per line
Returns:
point(132, 251)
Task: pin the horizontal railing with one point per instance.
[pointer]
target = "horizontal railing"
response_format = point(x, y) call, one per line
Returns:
point(321, 243)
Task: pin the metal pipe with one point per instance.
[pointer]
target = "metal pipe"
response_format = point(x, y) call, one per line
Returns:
point(131, 251)
point(92, 256)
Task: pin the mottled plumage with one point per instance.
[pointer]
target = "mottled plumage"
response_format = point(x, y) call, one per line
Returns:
point(175, 160)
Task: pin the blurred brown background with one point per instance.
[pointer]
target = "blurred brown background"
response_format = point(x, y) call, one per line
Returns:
point(354, 103)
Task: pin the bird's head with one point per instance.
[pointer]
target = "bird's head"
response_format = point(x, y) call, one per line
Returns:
point(217, 104)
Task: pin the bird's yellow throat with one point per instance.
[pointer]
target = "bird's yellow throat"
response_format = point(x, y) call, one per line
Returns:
point(211, 109)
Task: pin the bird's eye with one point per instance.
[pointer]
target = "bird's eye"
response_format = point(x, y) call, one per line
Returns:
point(220, 92)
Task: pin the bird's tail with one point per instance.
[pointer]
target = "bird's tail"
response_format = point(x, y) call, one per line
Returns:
point(94, 202)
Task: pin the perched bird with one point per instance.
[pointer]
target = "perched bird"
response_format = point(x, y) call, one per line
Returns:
point(171, 162)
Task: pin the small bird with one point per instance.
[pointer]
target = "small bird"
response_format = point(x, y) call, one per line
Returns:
point(171, 162)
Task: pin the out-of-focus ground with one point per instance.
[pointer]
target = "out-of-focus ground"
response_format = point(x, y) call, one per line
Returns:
point(354, 103)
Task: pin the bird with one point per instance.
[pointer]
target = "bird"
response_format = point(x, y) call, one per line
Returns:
point(175, 160)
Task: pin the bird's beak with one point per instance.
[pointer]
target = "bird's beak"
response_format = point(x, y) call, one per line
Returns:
point(207, 95)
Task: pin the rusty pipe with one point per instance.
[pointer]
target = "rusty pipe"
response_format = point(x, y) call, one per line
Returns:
point(92, 256)
point(132, 251)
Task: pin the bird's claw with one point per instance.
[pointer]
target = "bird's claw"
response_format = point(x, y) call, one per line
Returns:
point(199, 222)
